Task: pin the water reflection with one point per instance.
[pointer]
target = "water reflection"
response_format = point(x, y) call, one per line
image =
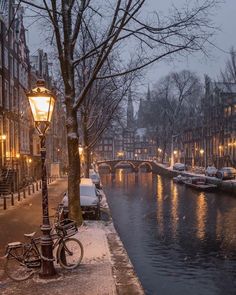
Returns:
point(177, 238)
point(201, 214)
point(174, 209)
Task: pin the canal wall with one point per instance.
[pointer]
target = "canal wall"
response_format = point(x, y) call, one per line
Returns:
point(228, 186)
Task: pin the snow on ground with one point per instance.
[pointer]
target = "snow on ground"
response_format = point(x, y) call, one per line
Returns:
point(93, 238)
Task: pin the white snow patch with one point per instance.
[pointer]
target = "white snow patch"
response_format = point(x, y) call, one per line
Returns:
point(72, 135)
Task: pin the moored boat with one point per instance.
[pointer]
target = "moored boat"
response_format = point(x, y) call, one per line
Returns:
point(200, 183)
point(180, 179)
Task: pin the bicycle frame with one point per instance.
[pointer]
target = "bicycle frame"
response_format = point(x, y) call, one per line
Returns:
point(11, 253)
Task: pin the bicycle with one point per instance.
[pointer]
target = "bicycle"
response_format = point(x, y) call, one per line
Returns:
point(24, 259)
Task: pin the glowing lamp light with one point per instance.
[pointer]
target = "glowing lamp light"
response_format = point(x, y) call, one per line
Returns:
point(80, 150)
point(3, 137)
point(42, 102)
point(17, 155)
point(201, 151)
point(159, 150)
point(175, 152)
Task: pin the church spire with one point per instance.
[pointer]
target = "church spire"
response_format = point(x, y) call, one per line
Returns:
point(130, 111)
point(148, 94)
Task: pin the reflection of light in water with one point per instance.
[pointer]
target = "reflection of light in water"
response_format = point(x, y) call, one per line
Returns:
point(120, 171)
point(174, 208)
point(201, 213)
point(160, 204)
point(225, 227)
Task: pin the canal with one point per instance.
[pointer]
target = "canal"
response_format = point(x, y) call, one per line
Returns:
point(180, 241)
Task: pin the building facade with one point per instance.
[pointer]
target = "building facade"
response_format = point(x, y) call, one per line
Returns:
point(213, 140)
point(20, 146)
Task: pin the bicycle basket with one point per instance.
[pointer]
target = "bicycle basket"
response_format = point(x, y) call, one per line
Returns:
point(66, 228)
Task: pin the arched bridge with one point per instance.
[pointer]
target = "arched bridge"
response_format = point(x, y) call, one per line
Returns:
point(134, 164)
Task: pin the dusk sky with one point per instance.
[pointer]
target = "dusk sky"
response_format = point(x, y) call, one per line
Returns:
point(223, 17)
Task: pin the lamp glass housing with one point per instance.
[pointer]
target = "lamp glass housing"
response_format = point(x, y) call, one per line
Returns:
point(42, 107)
point(42, 102)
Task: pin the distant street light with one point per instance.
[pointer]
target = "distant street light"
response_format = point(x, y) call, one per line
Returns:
point(201, 153)
point(80, 150)
point(42, 103)
point(172, 149)
point(17, 171)
point(3, 138)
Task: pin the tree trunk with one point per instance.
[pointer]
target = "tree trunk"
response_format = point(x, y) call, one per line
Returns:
point(87, 162)
point(75, 212)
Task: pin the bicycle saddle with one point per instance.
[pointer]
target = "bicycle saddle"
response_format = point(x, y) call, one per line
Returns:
point(30, 235)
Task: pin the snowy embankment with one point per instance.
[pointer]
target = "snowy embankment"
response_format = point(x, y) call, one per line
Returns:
point(228, 186)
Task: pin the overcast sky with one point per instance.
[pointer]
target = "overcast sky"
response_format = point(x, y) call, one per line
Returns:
point(224, 17)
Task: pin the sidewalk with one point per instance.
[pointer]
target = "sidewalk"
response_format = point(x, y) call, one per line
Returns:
point(104, 270)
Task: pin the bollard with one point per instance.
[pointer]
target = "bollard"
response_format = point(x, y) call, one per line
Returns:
point(33, 188)
point(29, 190)
point(18, 195)
point(4, 202)
point(37, 186)
point(12, 199)
point(24, 193)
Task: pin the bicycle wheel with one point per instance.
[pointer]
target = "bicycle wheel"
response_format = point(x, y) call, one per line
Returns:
point(70, 253)
point(16, 266)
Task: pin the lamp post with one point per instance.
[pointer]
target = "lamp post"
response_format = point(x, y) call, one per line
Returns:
point(201, 153)
point(42, 103)
point(17, 171)
point(159, 150)
point(172, 149)
point(3, 138)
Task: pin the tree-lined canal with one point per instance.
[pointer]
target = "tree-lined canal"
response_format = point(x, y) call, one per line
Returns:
point(180, 241)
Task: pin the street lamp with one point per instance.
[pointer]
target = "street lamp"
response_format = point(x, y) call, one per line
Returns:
point(42, 103)
point(201, 153)
point(17, 170)
point(3, 138)
point(172, 149)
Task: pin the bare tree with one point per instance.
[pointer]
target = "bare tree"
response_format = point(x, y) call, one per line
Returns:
point(120, 25)
point(176, 101)
point(229, 74)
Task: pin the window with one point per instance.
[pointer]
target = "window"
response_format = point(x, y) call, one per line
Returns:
point(10, 96)
point(6, 94)
point(5, 57)
point(0, 90)
point(15, 99)
point(0, 56)
point(11, 66)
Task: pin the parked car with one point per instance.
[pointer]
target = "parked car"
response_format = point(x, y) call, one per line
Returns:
point(226, 173)
point(179, 166)
point(210, 171)
point(89, 199)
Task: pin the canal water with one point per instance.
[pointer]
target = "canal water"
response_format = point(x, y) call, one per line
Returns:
point(180, 241)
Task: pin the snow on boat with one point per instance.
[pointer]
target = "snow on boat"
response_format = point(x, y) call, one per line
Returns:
point(200, 183)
